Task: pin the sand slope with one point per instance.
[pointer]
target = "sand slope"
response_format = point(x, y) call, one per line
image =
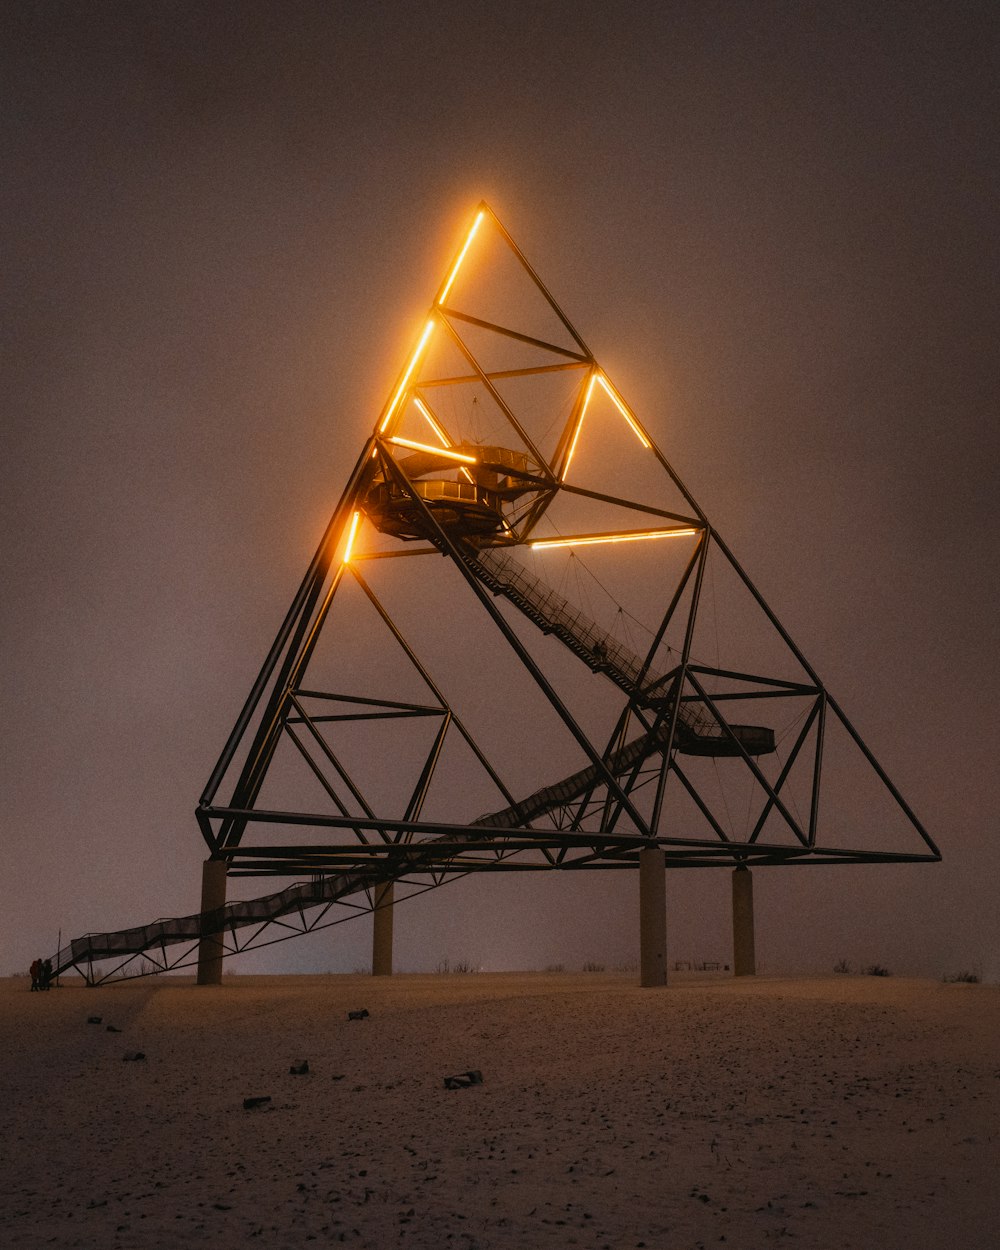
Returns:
point(843, 1112)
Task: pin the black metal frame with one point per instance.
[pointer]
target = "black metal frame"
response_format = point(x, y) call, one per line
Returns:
point(601, 828)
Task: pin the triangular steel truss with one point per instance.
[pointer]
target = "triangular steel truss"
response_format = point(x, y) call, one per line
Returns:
point(434, 704)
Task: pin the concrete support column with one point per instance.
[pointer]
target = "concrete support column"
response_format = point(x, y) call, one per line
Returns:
point(213, 896)
point(652, 916)
point(744, 956)
point(382, 931)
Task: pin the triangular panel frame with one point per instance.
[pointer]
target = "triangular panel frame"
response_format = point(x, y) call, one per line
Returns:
point(455, 469)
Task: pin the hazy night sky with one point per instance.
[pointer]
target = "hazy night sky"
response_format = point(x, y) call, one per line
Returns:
point(775, 224)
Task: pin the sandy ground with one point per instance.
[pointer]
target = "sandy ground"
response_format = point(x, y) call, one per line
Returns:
point(842, 1112)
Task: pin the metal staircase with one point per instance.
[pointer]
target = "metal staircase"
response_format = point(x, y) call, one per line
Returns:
point(696, 733)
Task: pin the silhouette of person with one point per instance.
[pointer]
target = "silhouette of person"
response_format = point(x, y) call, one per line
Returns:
point(47, 974)
point(36, 974)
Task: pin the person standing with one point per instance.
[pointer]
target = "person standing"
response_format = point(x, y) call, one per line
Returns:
point(36, 974)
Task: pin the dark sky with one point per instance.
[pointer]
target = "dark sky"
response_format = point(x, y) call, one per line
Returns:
point(775, 224)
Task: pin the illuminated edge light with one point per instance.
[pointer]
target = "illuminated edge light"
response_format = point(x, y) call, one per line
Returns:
point(439, 431)
point(619, 403)
point(579, 426)
point(401, 391)
point(628, 536)
point(461, 256)
point(434, 451)
point(429, 417)
point(350, 537)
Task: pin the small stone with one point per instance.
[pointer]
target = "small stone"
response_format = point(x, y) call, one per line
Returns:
point(463, 1080)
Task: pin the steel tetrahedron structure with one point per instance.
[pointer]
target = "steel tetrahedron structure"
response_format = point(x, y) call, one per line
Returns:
point(522, 646)
point(516, 584)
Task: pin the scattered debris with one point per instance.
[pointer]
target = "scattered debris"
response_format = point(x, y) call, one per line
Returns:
point(358, 1015)
point(299, 1069)
point(133, 1056)
point(260, 1101)
point(464, 1079)
point(94, 1019)
point(111, 1029)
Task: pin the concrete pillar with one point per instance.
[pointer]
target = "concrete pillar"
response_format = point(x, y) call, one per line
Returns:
point(382, 931)
point(744, 956)
point(652, 916)
point(213, 895)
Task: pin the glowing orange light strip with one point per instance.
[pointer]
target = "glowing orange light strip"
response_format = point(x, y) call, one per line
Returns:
point(429, 418)
point(579, 425)
point(619, 403)
point(350, 537)
point(628, 536)
point(461, 256)
point(434, 451)
point(406, 376)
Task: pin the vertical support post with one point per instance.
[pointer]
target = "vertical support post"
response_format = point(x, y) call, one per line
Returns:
point(652, 916)
point(382, 931)
point(744, 955)
point(213, 897)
